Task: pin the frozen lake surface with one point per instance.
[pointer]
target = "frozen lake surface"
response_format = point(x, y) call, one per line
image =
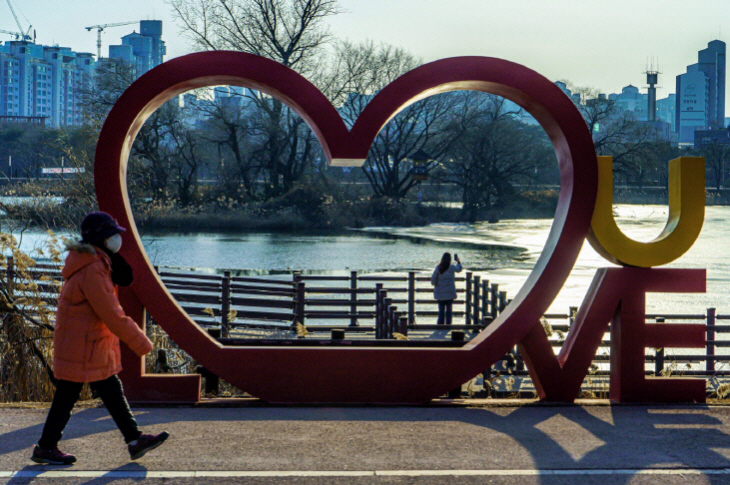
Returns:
point(504, 253)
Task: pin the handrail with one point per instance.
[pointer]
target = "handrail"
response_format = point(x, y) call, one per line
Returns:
point(278, 303)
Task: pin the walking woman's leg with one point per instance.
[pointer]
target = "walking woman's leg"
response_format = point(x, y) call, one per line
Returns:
point(112, 395)
point(449, 306)
point(440, 320)
point(67, 393)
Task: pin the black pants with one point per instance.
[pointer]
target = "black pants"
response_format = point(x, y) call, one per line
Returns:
point(67, 393)
point(445, 312)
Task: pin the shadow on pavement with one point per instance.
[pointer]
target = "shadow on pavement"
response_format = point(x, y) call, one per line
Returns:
point(103, 480)
point(637, 438)
point(570, 437)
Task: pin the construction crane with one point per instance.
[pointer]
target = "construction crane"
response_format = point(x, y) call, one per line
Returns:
point(20, 34)
point(17, 35)
point(99, 28)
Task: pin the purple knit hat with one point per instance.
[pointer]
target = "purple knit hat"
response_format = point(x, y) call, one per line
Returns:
point(98, 226)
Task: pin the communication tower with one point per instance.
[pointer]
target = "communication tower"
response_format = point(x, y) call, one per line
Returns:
point(652, 79)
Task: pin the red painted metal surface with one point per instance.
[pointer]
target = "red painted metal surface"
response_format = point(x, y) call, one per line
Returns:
point(617, 295)
point(309, 375)
point(139, 386)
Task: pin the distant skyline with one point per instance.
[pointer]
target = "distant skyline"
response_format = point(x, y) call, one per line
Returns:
point(601, 44)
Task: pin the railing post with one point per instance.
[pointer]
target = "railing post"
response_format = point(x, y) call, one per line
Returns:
point(458, 336)
point(378, 309)
point(411, 298)
point(572, 312)
point(475, 303)
point(502, 301)
point(212, 382)
point(403, 326)
point(467, 299)
point(495, 300)
point(300, 302)
point(225, 302)
point(353, 299)
point(162, 366)
point(485, 300)
point(710, 339)
point(659, 354)
point(387, 304)
point(519, 361)
point(393, 315)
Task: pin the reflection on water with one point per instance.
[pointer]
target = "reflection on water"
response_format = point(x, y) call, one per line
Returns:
point(504, 253)
point(318, 252)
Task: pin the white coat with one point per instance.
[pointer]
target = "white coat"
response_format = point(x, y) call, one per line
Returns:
point(444, 284)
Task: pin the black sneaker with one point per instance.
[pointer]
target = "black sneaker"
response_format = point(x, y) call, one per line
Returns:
point(51, 457)
point(145, 443)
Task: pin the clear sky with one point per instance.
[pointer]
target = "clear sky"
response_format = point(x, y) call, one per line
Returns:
point(604, 44)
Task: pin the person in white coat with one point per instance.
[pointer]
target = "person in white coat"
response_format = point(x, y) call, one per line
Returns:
point(443, 280)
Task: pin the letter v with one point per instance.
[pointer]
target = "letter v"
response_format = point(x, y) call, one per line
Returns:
point(559, 378)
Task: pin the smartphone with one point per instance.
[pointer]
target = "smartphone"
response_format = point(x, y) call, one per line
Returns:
point(456, 256)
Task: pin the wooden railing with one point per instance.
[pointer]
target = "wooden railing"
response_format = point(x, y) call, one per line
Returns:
point(211, 299)
point(383, 305)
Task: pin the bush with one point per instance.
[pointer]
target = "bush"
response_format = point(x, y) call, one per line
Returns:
point(306, 201)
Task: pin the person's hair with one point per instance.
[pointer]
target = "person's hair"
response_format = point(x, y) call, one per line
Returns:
point(445, 262)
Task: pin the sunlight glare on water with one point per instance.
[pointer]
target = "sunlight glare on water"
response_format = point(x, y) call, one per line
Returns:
point(503, 252)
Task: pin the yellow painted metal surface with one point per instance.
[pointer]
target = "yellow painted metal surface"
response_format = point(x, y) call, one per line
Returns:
point(686, 176)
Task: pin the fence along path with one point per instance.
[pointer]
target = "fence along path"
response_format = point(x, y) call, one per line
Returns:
point(373, 310)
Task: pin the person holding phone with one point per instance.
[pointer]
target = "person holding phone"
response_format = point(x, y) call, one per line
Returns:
point(443, 280)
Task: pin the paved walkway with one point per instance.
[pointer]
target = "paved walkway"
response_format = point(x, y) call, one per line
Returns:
point(364, 445)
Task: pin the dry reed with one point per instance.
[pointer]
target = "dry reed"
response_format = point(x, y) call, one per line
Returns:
point(28, 297)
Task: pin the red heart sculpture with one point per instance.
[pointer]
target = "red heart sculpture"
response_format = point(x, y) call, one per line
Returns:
point(337, 374)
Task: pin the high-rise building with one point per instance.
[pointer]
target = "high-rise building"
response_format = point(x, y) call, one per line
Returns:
point(665, 110)
point(700, 100)
point(144, 50)
point(47, 81)
point(575, 97)
point(43, 81)
point(632, 100)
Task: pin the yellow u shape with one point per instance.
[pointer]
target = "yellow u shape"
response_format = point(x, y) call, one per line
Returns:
point(686, 185)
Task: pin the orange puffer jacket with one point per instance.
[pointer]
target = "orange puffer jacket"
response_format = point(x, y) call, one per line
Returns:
point(90, 321)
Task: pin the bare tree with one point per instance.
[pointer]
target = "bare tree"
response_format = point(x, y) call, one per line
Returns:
point(356, 71)
point(189, 157)
point(100, 93)
point(288, 31)
point(31, 147)
point(496, 150)
point(717, 160)
point(424, 126)
point(617, 133)
point(153, 150)
point(230, 131)
point(152, 156)
point(291, 32)
point(360, 71)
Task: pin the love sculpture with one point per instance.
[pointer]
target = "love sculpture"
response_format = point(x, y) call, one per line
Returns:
point(413, 375)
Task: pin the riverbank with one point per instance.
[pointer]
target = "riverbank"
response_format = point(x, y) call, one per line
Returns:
point(302, 209)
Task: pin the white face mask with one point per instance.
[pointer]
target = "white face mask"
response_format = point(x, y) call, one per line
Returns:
point(113, 243)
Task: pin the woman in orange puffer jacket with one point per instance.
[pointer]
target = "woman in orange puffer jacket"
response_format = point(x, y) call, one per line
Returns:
point(89, 324)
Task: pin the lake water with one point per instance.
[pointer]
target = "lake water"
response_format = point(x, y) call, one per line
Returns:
point(503, 252)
